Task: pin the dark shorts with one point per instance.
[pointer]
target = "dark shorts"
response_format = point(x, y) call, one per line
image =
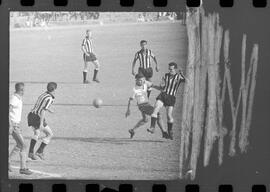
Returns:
point(146, 108)
point(167, 100)
point(147, 73)
point(87, 58)
point(34, 121)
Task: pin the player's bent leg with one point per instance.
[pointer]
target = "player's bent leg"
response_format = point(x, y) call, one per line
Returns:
point(149, 89)
point(170, 121)
point(33, 142)
point(161, 126)
point(45, 141)
point(85, 70)
point(16, 148)
point(22, 148)
point(139, 124)
point(158, 106)
point(97, 66)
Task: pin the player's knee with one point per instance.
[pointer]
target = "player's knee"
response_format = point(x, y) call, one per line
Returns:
point(158, 116)
point(170, 119)
point(145, 120)
point(97, 66)
point(35, 136)
point(51, 135)
point(155, 115)
point(23, 147)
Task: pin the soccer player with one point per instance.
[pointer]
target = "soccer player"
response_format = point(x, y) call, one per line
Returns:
point(169, 86)
point(36, 120)
point(140, 95)
point(89, 56)
point(144, 56)
point(15, 113)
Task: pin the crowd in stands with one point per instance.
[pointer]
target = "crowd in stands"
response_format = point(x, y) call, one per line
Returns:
point(42, 19)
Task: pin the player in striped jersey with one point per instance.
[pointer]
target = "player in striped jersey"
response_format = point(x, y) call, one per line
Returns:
point(169, 86)
point(36, 120)
point(140, 95)
point(144, 56)
point(89, 56)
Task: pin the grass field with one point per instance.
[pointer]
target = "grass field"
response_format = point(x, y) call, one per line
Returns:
point(92, 143)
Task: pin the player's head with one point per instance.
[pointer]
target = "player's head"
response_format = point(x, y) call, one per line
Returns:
point(172, 68)
point(88, 33)
point(19, 88)
point(143, 44)
point(139, 79)
point(51, 87)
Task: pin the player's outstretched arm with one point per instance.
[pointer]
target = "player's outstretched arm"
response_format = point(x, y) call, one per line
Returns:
point(183, 78)
point(50, 111)
point(134, 63)
point(128, 107)
point(158, 87)
point(155, 60)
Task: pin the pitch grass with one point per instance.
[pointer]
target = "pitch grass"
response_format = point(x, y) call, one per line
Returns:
point(92, 143)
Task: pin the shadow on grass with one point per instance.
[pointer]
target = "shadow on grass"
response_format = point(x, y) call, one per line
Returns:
point(109, 140)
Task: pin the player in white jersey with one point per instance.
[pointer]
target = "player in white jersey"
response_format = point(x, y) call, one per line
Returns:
point(15, 113)
point(140, 95)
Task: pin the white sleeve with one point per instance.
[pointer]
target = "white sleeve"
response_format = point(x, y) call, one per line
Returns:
point(13, 101)
point(133, 94)
point(149, 84)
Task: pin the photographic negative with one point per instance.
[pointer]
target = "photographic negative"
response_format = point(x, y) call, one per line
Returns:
point(139, 96)
point(95, 86)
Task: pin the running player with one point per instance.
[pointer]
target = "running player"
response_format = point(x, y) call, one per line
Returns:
point(89, 56)
point(144, 56)
point(168, 87)
point(15, 113)
point(36, 120)
point(140, 94)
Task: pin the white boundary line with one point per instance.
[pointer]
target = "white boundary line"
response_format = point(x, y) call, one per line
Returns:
point(46, 174)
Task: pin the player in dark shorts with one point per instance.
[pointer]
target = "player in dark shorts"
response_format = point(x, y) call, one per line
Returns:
point(169, 86)
point(146, 109)
point(36, 120)
point(89, 56)
point(144, 56)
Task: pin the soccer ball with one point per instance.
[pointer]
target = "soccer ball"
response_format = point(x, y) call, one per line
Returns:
point(97, 103)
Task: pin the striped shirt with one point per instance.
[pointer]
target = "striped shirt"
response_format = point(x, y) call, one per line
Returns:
point(43, 103)
point(87, 45)
point(144, 58)
point(172, 83)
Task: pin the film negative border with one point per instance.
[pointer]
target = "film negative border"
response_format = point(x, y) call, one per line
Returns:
point(130, 3)
point(73, 185)
point(60, 187)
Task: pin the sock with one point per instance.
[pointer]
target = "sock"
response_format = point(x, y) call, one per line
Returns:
point(32, 146)
point(95, 74)
point(153, 122)
point(170, 125)
point(22, 160)
point(148, 93)
point(84, 76)
point(41, 147)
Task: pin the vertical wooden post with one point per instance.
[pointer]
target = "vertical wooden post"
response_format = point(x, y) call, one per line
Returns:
point(199, 95)
point(188, 91)
point(220, 129)
point(211, 123)
point(244, 92)
point(244, 132)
